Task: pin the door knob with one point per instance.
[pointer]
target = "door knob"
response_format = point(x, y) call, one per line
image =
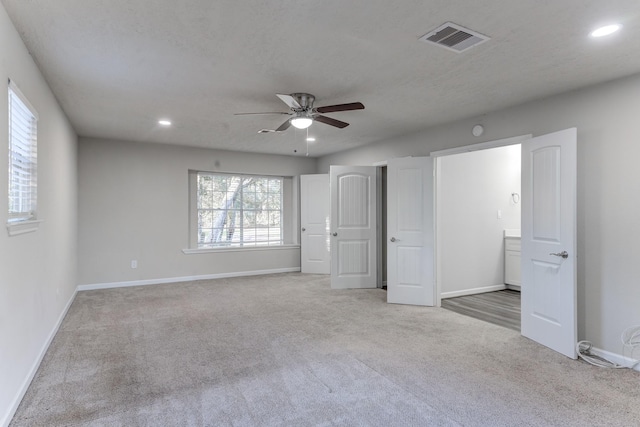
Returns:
point(335, 234)
point(393, 239)
point(562, 254)
point(304, 229)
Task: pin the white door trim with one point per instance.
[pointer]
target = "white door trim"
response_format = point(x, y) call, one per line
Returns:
point(481, 146)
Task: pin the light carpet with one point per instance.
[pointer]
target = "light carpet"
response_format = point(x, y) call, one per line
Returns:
point(286, 350)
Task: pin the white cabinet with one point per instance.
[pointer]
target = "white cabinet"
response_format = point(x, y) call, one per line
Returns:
point(512, 262)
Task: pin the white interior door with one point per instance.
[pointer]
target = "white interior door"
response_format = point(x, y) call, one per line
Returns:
point(353, 226)
point(549, 241)
point(314, 220)
point(410, 238)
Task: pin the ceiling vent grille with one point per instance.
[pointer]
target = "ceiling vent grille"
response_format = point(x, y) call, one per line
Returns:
point(454, 37)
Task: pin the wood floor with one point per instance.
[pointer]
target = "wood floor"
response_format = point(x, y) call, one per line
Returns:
point(501, 307)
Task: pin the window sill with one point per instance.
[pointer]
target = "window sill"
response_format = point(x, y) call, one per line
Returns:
point(238, 249)
point(22, 227)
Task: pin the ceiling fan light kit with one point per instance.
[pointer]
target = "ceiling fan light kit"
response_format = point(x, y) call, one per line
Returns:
point(301, 122)
point(304, 114)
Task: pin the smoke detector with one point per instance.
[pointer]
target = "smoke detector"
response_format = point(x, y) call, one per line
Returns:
point(454, 37)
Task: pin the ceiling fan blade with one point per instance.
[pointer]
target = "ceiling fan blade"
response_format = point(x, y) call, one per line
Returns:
point(253, 114)
point(332, 122)
point(340, 107)
point(284, 126)
point(289, 100)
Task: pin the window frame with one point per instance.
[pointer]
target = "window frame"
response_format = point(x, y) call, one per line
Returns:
point(194, 208)
point(24, 219)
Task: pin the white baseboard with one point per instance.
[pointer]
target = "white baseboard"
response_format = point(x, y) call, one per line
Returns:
point(36, 364)
point(185, 279)
point(514, 287)
point(473, 291)
point(616, 358)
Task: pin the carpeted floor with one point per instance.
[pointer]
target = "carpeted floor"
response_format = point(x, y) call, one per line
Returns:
point(286, 350)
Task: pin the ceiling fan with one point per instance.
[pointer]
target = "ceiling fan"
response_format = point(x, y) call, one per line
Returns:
point(303, 114)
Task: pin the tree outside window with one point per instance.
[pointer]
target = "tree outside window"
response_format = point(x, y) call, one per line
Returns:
point(238, 210)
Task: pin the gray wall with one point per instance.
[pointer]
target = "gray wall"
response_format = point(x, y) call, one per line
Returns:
point(134, 204)
point(472, 187)
point(608, 185)
point(37, 269)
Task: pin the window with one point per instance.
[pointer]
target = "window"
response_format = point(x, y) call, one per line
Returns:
point(23, 184)
point(238, 210)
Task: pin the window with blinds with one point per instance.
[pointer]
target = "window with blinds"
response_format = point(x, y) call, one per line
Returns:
point(238, 210)
point(23, 135)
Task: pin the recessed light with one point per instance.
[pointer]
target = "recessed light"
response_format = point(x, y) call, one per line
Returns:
point(311, 139)
point(606, 30)
point(164, 122)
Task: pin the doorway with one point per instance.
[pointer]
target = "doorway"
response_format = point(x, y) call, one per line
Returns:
point(478, 232)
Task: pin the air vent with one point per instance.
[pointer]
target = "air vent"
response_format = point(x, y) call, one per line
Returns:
point(454, 37)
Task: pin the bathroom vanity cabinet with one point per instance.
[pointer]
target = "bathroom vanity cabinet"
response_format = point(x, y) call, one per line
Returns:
point(512, 262)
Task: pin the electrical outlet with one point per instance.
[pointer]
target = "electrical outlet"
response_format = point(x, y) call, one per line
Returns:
point(499, 214)
point(134, 263)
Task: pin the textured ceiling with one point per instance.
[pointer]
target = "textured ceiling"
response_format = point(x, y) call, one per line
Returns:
point(117, 66)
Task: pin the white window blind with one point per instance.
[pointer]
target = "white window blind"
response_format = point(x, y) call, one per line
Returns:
point(239, 210)
point(23, 135)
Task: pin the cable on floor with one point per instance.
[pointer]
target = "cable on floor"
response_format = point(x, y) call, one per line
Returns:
point(630, 338)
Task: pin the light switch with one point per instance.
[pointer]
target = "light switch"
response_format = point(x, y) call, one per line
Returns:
point(499, 214)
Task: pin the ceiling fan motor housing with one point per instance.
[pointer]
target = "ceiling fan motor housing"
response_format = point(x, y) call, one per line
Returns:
point(304, 114)
point(305, 100)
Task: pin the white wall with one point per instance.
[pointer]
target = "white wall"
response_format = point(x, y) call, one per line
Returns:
point(472, 187)
point(134, 204)
point(37, 269)
point(608, 184)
